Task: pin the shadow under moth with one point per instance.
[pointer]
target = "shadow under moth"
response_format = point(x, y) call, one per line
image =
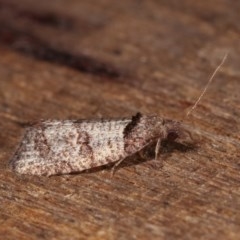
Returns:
point(59, 147)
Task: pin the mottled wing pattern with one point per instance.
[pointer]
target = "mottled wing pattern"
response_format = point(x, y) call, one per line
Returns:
point(58, 147)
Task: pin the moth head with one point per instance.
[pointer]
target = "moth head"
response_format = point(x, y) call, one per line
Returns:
point(177, 130)
point(172, 130)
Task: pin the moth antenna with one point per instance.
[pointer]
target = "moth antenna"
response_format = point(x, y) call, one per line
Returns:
point(207, 85)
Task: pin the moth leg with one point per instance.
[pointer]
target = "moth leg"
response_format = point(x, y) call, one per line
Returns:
point(113, 170)
point(157, 148)
point(197, 137)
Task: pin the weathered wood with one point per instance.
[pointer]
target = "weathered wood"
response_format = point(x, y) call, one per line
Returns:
point(85, 59)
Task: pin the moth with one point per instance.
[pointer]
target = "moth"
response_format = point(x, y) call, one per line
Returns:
point(60, 147)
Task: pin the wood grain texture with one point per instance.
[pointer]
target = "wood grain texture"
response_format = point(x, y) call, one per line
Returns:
point(85, 59)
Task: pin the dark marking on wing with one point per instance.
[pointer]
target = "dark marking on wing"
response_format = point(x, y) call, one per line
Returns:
point(135, 120)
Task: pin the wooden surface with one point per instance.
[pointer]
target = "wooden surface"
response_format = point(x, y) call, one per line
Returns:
point(86, 59)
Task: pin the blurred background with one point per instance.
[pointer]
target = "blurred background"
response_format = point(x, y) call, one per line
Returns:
point(72, 59)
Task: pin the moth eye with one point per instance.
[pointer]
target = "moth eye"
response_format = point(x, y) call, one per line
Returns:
point(172, 135)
